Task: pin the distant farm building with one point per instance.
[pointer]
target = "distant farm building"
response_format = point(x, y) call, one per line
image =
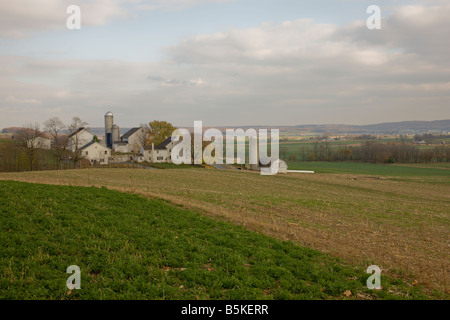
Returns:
point(40, 143)
point(129, 146)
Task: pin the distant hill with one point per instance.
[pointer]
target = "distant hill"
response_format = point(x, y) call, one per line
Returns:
point(437, 126)
point(11, 130)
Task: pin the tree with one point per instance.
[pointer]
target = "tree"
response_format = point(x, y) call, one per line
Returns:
point(403, 138)
point(73, 127)
point(77, 123)
point(428, 138)
point(159, 131)
point(27, 138)
point(346, 153)
point(143, 139)
point(55, 127)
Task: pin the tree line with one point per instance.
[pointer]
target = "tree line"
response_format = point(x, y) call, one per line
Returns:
point(371, 151)
point(25, 152)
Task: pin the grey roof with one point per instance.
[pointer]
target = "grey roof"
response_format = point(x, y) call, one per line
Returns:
point(164, 144)
point(161, 146)
point(87, 145)
point(78, 131)
point(130, 132)
point(121, 143)
point(90, 144)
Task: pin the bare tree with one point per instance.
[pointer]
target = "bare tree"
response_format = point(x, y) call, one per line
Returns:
point(74, 127)
point(144, 137)
point(55, 127)
point(27, 137)
point(77, 123)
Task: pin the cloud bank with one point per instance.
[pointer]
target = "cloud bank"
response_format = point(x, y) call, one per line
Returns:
point(291, 73)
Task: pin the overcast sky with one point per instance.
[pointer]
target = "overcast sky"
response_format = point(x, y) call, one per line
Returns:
point(241, 62)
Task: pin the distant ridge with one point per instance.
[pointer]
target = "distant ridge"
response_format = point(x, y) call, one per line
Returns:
point(385, 127)
point(436, 126)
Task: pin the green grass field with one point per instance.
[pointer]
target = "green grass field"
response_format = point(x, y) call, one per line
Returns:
point(129, 247)
point(302, 148)
point(389, 170)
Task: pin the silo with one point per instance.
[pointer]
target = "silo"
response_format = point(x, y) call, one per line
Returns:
point(115, 133)
point(109, 120)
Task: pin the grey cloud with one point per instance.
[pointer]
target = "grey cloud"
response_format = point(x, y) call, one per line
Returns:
point(413, 29)
point(19, 18)
point(155, 78)
point(290, 73)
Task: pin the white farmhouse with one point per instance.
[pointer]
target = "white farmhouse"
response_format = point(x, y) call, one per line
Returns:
point(135, 138)
point(95, 153)
point(160, 153)
point(39, 143)
point(79, 138)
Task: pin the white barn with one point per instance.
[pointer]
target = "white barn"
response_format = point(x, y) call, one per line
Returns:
point(95, 153)
point(121, 146)
point(135, 138)
point(79, 138)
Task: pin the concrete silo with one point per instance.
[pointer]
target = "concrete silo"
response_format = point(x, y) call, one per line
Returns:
point(109, 121)
point(115, 133)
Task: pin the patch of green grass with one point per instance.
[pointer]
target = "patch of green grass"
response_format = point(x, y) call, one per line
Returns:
point(443, 165)
point(129, 247)
point(173, 166)
point(368, 168)
point(6, 141)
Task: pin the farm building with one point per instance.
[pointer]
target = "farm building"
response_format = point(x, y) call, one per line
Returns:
point(95, 153)
point(135, 138)
point(157, 154)
point(121, 146)
point(39, 143)
point(131, 141)
point(79, 138)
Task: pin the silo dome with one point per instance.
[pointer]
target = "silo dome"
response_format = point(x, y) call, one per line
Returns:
point(109, 113)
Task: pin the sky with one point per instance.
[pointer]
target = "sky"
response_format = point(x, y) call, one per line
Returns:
point(225, 62)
